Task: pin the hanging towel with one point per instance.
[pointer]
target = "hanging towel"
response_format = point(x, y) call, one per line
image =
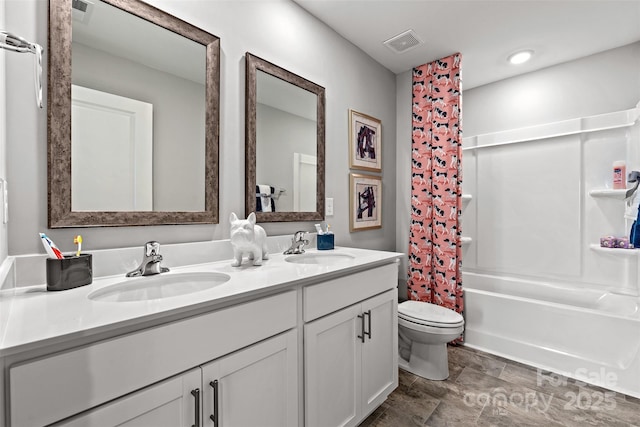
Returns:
point(264, 199)
point(634, 236)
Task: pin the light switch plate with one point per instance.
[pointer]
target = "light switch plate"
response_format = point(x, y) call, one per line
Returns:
point(328, 206)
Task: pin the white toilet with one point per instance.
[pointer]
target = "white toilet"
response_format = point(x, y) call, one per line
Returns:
point(424, 330)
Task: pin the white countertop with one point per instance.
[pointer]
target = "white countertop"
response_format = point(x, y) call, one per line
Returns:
point(33, 317)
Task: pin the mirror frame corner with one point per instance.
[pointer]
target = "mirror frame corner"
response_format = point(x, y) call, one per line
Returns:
point(60, 213)
point(253, 65)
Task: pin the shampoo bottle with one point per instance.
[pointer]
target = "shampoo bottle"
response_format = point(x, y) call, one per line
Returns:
point(619, 175)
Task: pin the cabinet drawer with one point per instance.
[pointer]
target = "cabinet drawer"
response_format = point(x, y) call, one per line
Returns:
point(52, 388)
point(327, 297)
point(165, 404)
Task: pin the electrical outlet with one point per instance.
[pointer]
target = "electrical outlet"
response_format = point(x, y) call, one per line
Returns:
point(328, 206)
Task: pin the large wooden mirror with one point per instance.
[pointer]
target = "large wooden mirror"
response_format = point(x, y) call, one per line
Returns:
point(284, 144)
point(133, 109)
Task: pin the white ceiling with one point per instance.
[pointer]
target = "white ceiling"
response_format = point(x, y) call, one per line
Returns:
point(485, 32)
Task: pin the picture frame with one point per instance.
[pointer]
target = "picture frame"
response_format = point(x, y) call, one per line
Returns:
point(365, 142)
point(365, 202)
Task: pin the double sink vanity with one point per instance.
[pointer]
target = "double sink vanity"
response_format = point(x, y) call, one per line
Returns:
point(307, 339)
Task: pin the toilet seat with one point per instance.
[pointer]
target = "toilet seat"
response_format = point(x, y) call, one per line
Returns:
point(427, 314)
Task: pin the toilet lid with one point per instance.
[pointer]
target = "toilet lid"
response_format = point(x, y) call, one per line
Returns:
point(426, 313)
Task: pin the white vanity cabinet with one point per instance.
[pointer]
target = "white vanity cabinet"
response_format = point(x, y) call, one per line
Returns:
point(317, 346)
point(256, 386)
point(350, 354)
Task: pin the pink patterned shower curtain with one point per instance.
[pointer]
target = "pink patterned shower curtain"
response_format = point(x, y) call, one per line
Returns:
point(436, 177)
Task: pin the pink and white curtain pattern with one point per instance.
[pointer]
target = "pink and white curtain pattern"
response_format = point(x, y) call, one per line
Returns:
point(435, 251)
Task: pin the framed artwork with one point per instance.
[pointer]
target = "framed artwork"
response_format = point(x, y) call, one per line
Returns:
point(365, 202)
point(365, 142)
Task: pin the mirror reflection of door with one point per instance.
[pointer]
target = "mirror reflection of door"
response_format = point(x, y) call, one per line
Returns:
point(286, 126)
point(112, 152)
point(304, 171)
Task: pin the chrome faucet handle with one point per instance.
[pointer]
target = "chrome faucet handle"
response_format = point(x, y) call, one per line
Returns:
point(299, 236)
point(151, 248)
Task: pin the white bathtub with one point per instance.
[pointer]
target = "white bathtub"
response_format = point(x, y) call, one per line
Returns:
point(586, 334)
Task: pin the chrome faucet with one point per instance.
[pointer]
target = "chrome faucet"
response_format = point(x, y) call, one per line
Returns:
point(297, 243)
point(150, 261)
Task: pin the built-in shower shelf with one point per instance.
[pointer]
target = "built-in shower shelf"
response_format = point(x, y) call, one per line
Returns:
point(466, 240)
point(608, 193)
point(614, 251)
point(466, 197)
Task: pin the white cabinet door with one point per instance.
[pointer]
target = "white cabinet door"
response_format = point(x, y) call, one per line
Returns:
point(351, 361)
point(332, 352)
point(257, 386)
point(171, 403)
point(380, 350)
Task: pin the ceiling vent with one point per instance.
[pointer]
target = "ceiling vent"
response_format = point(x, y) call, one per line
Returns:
point(403, 42)
point(81, 10)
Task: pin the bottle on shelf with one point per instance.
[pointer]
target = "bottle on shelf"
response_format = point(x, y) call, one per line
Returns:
point(619, 175)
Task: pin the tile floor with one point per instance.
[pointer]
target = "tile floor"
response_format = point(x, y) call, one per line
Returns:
point(487, 390)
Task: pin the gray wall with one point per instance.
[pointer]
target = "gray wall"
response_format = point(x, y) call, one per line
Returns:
point(276, 30)
point(597, 84)
point(404, 86)
point(3, 127)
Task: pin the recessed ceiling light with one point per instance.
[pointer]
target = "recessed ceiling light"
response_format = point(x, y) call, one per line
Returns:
point(520, 57)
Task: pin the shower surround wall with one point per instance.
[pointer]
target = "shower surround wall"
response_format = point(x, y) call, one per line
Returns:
point(532, 215)
point(539, 289)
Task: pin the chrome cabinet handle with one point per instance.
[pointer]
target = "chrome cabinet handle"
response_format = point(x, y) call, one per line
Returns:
point(214, 417)
point(368, 314)
point(361, 317)
point(196, 394)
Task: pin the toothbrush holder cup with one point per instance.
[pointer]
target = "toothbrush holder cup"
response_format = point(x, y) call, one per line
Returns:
point(69, 272)
point(325, 241)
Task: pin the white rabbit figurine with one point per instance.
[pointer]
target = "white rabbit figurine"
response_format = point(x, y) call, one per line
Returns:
point(247, 237)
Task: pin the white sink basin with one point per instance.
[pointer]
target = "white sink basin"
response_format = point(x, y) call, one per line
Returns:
point(319, 259)
point(158, 287)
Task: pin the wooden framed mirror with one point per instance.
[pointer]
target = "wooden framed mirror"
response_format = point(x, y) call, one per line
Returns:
point(284, 144)
point(133, 116)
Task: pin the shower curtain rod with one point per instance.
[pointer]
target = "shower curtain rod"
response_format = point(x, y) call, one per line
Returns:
point(15, 43)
